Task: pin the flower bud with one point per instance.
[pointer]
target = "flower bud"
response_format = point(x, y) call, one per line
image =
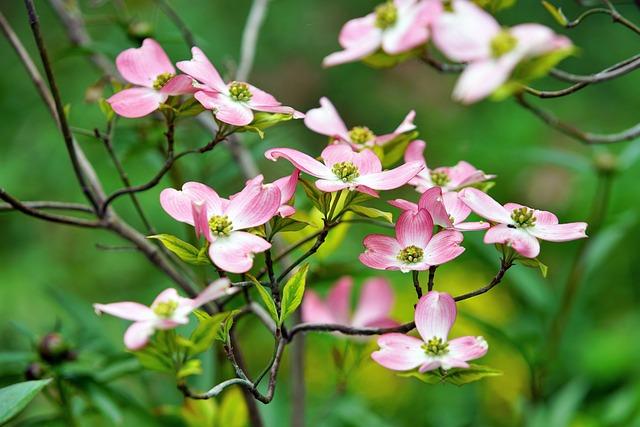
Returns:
point(54, 349)
point(34, 371)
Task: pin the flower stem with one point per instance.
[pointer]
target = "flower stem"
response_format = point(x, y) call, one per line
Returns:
point(416, 283)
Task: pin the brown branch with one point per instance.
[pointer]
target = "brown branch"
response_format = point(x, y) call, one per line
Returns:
point(49, 205)
point(504, 266)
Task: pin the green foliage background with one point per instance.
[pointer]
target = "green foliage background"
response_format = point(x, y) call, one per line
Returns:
point(50, 275)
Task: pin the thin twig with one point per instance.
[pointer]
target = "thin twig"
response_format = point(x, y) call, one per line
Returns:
point(187, 35)
point(504, 266)
point(49, 205)
point(432, 276)
point(416, 283)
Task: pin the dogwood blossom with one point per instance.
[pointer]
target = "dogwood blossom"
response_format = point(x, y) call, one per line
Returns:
point(150, 70)
point(446, 210)
point(372, 310)
point(344, 168)
point(448, 178)
point(466, 33)
point(394, 27)
point(415, 247)
point(326, 121)
point(434, 316)
point(287, 186)
point(520, 226)
point(167, 311)
point(221, 221)
point(233, 102)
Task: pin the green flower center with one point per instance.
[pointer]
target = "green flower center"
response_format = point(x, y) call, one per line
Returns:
point(361, 135)
point(386, 15)
point(440, 178)
point(220, 225)
point(447, 5)
point(503, 43)
point(165, 309)
point(411, 254)
point(240, 92)
point(162, 80)
point(524, 217)
point(435, 347)
point(346, 171)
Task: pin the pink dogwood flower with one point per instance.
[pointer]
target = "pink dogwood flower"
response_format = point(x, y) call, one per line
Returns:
point(287, 186)
point(344, 168)
point(415, 247)
point(150, 70)
point(448, 178)
point(395, 26)
point(221, 221)
point(520, 226)
point(469, 34)
point(326, 121)
point(169, 310)
point(233, 102)
point(434, 316)
point(446, 210)
point(372, 310)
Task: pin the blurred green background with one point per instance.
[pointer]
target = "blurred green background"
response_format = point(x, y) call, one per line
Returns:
point(50, 274)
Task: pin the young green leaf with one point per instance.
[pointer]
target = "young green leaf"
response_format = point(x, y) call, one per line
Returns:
point(368, 212)
point(556, 12)
point(16, 397)
point(206, 332)
point(293, 291)
point(183, 250)
point(153, 360)
point(265, 296)
point(455, 376)
point(534, 263)
point(191, 367)
point(280, 225)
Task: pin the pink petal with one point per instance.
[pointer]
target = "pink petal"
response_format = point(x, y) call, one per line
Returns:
point(253, 206)
point(399, 352)
point(339, 300)
point(480, 79)
point(367, 190)
point(136, 102)
point(215, 290)
point(414, 228)
point(201, 69)
point(326, 120)
point(179, 85)
point(225, 109)
point(545, 218)
point(464, 174)
point(433, 201)
point(375, 303)
point(169, 294)
point(200, 220)
point(455, 207)
point(467, 348)
point(415, 152)
point(485, 206)
point(471, 226)
point(523, 242)
point(178, 203)
point(358, 31)
point(126, 310)
point(560, 232)
point(143, 65)
point(331, 186)
point(448, 362)
point(337, 153)
point(277, 109)
point(465, 35)
point(314, 310)
point(301, 161)
point(435, 315)
point(260, 98)
point(137, 335)
point(406, 126)
point(358, 51)
point(391, 179)
point(287, 186)
point(286, 211)
point(536, 39)
point(367, 162)
point(381, 252)
point(411, 27)
point(405, 205)
point(443, 247)
point(235, 252)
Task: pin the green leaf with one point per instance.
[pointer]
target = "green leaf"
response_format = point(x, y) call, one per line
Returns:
point(368, 212)
point(233, 410)
point(183, 250)
point(106, 109)
point(556, 12)
point(189, 108)
point(223, 332)
point(534, 263)
point(191, 367)
point(316, 196)
point(280, 225)
point(382, 59)
point(293, 291)
point(484, 186)
point(394, 149)
point(103, 401)
point(266, 298)
point(16, 397)
point(263, 120)
point(494, 5)
point(151, 359)
point(455, 376)
point(206, 332)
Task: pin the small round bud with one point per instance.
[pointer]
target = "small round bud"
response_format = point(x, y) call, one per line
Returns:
point(53, 348)
point(606, 162)
point(139, 30)
point(34, 371)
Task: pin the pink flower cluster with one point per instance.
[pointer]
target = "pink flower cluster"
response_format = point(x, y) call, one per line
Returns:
point(155, 79)
point(460, 29)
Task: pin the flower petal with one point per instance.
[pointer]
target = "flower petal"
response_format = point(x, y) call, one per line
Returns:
point(201, 220)
point(435, 315)
point(443, 247)
point(137, 335)
point(381, 252)
point(485, 206)
point(339, 300)
point(260, 98)
point(358, 31)
point(136, 102)
point(126, 310)
point(481, 78)
point(391, 179)
point(178, 203)
point(399, 352)
point(523, 242)
point(415, 152)
point(375, 303)
point(411, 27)
point(337, 153)
point(215, 290)
point(225, 109)
point(143, 65)
point(368, 43)
point(406, 126)
point(235, 252)
point(253, 206)
point(332, 185)
point(287, 186)
point(455, 207)
point(467, 348)
point(326, 120)
point(315, 310)
point(201, 69)
point(536, 39)
point(432, 201)
point(560, 232)
point(179, 85)
point(367, 162)
point(301, 161)
point(405, 205)
point(414, 228)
